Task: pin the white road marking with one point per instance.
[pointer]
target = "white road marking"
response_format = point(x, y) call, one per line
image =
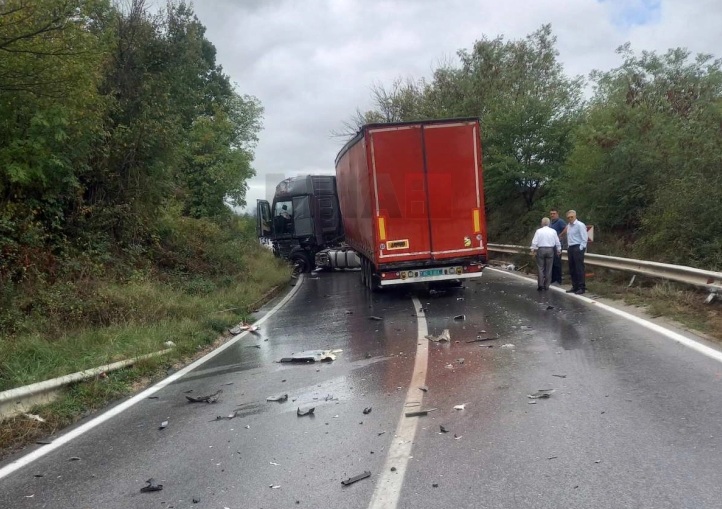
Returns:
point(80, 430)
point(675, 336)
point(388, 486)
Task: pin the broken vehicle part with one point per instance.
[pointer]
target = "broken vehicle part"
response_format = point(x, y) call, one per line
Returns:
point(311, 356)
point(163, 425)
point(357, 478)
point(211, 398)
point(445, 336)
point(419, 413)
point(443, 429)
point(541, 394)
point(479, 339)
point(151, 486)
point(460, 317)
point(460, 407)
point(375, 318)
point(367, 410)
point(278, 399)
point(302, 413)
point(424, 388)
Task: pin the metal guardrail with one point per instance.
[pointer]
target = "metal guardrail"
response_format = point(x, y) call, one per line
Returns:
point(708, 279)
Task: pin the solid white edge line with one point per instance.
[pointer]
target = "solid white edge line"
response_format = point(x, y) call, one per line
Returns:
point(80, 430)
point(675, 336)
point(388, 487)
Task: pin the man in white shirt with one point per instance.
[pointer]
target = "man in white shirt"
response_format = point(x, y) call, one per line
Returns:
point(577, 239)
point(544, 245)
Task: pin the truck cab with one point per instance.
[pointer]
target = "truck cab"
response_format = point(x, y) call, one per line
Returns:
point(303, 219)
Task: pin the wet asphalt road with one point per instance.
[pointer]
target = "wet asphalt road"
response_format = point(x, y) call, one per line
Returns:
point(635, 420)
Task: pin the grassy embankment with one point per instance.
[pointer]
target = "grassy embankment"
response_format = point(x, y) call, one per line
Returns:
point(198, 281)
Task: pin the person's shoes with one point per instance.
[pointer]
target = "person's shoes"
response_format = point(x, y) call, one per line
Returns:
point(572, 290)
point(579, 292)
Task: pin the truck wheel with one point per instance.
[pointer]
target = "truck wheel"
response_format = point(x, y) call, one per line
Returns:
point(301, 262)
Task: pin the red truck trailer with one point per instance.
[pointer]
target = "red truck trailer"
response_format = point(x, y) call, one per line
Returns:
point(412, 201)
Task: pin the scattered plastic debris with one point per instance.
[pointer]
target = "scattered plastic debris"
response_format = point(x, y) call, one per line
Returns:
point(43, 442)
point(278, 399)
point(541, 394)
point(460, 407)
point(274, 486)
point(169, 344)
point(302, 413)
point(243, 327)
point(196, 500)
point(34, 417)
point(367, 410)
point(274, 463)
point(163, 425)
point(312, 356)
point(435, 485)
point(457, 437)
point(152, 397)
point(357, 478)
point(508, 346)
point(460, 317)
point(151, 486)
point(449, 366)
point(479, 339)
point(560, 376)
point(442, 429)
point(380, 433)
point(550, 308)
point(393, 469)
point(460, 360)
point(375, 318)
point(424, 388)
point(445, 336)
point(460, 298)
point(228, 417)
point(74, 458)
point(552, 457)
point(211, 398)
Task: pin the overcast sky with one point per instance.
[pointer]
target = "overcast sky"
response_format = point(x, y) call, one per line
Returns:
point(312, 62)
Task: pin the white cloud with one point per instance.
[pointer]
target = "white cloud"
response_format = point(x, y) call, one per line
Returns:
point(312, 62)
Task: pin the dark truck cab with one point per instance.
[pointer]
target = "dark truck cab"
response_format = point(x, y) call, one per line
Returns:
point(303, 219)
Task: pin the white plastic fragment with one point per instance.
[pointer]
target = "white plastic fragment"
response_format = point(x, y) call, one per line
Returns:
point(460, 407)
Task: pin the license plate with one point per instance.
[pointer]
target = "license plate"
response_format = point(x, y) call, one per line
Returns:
point(431, 272)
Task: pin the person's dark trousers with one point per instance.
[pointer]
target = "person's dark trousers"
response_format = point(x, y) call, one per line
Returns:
point(544, 261)
point(576, 267)
point(557, 268)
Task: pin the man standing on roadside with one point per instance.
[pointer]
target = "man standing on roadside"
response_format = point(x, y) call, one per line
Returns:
point(557, 224)
point(544, 245)
point(577, 239)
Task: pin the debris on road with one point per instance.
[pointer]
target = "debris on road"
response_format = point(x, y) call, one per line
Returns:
point(273, 486)
point(460, 317)
point(424, 388)
point(479, 339)
point(550, 308)
point(442, 429)
point(278, 399)
point(152, 397)
point(169, 344)
point(380, 433)
point(228, 417)
point(211, 398)
point(163, 425)
point(375, 318)
point(43, 442)
point(541, 394)
point(457, 437)
point(445, 336)
point(312, 356)
point(302, 413)
point(34, 417)
point(435, 485)
point(460, 360)
point(357, 478)
point(243, 327)
point(419, 413)
point(393, 469)
point(560, 376)
point(196, 500)
point(367, 410)
point(508, 346)
point(151, 486)
point(460, 407)
point(74, 458)
point(552, 457)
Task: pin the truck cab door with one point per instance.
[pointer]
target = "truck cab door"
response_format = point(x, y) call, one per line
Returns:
point(263, 219)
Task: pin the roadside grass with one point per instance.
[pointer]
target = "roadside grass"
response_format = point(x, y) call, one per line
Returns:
point(200, 279)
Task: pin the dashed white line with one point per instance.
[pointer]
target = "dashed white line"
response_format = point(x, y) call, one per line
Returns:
point(388, 486)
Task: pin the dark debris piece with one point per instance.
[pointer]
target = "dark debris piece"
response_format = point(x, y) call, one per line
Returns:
point(357, 478)
point(211, 398)
point(278, 399)
point(375, 318)
point(302, 413)
point(479, 339)
point(152, 486)
point(367, 410)
point(443, 429)
point(424, 388)
point(460, 317)
point(163, 425)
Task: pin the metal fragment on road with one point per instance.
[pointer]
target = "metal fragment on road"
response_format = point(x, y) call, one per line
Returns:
point(211, 398)
point(273, 486)
point(424, 388)
point(309, 356)
point(460, 407)
point(560, 376)
point(460, 317)
point(278, 399)
point(508, 346)
point(74, 458)
point(479, 339)
point(541, 394)
point(419, 413)
point(151, 486)
point(356, 478)
point(375, 318)
point(442, 429)
point(445, 336)
point(367, 410)
point(302, 413)
point(163, 425)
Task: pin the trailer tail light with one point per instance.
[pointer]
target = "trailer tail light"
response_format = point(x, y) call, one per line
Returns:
point(392, 275)
point(474, 267)
point(476, 215)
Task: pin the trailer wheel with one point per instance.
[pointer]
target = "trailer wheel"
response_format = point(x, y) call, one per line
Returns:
point(301, 262)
